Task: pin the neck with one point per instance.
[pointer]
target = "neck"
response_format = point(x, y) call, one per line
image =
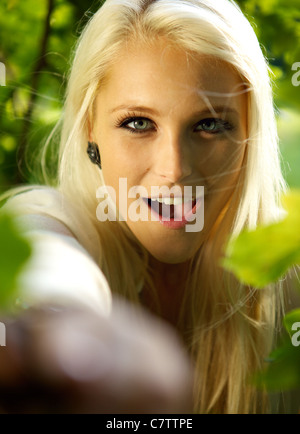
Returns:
point(169, 281)
point(169, 275)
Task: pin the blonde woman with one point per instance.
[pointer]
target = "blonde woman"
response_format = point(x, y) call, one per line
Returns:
point(172, 95)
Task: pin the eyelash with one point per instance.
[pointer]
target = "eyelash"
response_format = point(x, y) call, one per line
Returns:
point(124, 121)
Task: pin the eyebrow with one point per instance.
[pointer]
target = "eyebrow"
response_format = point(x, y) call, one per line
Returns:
point(134, 108)
point(220, 109)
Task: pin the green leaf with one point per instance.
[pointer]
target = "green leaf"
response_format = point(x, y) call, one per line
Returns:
point(261, 257)
point(14, 252)
point(283, 370)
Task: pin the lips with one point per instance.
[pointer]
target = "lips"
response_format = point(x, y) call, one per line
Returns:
point(172, 209)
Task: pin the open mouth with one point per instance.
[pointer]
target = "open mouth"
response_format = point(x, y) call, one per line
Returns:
point(172, 209)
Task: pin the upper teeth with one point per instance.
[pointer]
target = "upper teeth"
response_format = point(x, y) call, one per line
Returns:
point(171, 200)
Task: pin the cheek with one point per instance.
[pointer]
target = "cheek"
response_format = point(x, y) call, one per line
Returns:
point(122, 173)
point(120, 156)
point(222, 163)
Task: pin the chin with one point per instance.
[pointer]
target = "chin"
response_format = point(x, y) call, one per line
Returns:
point(169, 247)
point(172, 256)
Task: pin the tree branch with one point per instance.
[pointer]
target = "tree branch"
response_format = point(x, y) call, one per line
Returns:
point(39, 66)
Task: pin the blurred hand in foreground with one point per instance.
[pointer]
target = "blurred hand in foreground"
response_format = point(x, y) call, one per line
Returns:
point(59, 360)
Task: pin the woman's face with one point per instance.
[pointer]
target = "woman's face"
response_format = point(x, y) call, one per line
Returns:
point(165, 118)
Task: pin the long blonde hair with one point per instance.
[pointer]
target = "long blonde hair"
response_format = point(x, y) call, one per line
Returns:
point(227, 326)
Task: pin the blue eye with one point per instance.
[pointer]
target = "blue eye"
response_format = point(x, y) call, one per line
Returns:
point(213, 126)
point(137, 125)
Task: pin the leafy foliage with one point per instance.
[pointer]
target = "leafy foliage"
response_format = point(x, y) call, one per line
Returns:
point(277, 25)
point(262, 256)
point(283, 371)
point(15, 250)
point(259, 258)
point(36, 41)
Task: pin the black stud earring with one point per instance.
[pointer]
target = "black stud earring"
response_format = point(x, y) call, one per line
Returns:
point(93, 153)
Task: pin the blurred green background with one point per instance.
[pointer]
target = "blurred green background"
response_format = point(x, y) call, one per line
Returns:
point(37, 38)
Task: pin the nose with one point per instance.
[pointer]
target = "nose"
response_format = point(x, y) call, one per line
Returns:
point(173, 157)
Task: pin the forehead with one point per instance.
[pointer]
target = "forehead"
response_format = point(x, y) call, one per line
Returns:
point(163, 70)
